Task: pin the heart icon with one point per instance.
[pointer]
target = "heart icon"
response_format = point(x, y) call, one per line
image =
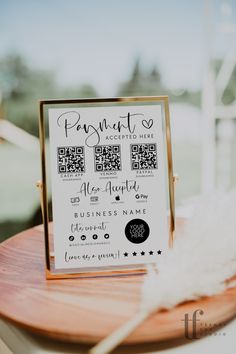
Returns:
point(147, 123)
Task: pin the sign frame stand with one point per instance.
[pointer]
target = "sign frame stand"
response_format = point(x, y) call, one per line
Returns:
point(42, 185)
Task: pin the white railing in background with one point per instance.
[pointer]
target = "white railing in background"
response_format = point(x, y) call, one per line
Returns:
point(18, 136)
point(216, 158)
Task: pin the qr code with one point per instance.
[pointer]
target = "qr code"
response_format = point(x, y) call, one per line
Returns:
point(143, 156)
point(70, 159)
point(107, 158)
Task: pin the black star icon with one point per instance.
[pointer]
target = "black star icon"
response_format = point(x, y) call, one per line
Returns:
point(159, 252)
point(151, 253)
point(142, 253)
point(126, 254)
point(134, 254)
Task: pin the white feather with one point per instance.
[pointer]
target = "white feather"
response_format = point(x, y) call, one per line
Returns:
point(203, 257)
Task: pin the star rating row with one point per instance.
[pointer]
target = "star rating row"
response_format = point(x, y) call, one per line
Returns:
point(134, 254)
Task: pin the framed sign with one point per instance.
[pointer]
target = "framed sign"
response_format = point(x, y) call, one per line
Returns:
point(108, 166)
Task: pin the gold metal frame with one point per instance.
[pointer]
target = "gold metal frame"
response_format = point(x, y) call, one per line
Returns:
point(42, 185)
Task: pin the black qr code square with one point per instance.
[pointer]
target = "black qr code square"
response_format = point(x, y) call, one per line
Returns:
point(143, 156)
point(70, 159)
point(107, 158)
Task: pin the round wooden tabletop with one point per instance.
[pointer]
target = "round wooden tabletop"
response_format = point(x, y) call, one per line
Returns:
point(86, 309)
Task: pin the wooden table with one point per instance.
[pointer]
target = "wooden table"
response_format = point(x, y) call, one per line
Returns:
point(85, 310)
point(24, 342)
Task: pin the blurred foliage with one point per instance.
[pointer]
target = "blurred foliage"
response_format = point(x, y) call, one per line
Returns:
point(22, 87)
point(143, 83)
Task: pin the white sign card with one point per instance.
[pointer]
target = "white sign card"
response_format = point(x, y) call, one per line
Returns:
point(109, 182)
